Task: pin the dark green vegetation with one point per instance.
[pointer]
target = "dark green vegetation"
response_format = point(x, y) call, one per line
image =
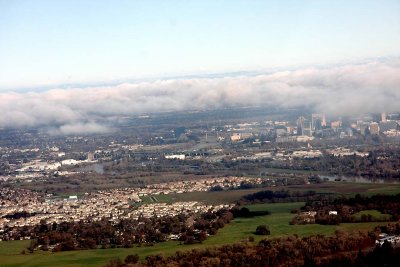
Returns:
point(384, 208)
point(262, 230)
point(269, 196)
point(374, 215)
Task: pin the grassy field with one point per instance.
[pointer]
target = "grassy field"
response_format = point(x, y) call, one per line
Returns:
point(278, 222)
point(239, 229)
point(10, 255)
point(229, 196)
point(375, 214)
point(216, 197)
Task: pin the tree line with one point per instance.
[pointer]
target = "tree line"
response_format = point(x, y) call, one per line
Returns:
point(269, 196)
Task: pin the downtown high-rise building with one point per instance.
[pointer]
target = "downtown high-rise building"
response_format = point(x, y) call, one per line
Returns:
point(318, 121)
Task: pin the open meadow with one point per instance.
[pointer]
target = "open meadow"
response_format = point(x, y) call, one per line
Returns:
point(338, 188)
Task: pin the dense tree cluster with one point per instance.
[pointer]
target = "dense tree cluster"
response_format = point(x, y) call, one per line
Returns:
point(19, 214)
point(246, 213)
point(347, 207)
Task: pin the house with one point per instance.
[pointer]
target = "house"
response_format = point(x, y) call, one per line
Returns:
point(389, 238)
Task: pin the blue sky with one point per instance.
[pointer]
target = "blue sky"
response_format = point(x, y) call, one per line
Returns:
point(46, 43)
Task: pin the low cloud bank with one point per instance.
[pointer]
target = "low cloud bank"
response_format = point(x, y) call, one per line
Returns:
point(372, 86)
point(79, 128)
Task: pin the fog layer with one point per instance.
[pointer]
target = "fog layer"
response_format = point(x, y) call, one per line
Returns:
point(372, 86)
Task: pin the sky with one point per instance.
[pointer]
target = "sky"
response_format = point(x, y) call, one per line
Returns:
point(46, 44)
point(74, 66)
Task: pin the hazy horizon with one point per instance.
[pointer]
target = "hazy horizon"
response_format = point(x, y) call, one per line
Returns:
point(48, 43)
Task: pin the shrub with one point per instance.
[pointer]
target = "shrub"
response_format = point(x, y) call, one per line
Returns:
point(262, 230)
point(132, 259)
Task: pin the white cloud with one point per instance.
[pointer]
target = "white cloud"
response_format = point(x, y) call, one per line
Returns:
point(79, 128)
point(355, 88)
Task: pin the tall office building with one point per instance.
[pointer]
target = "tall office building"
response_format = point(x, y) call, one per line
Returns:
point(383, 117)
point(374, 128)
point(363, 128)
point(90, 156)
point(318, 121)
point(307, 129)
point(346, 122)
point(379, 117)
point(300, 125)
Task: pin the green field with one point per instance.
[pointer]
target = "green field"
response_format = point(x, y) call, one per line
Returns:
point(278, 222)
point(10, 255)
point(230, 196)
point(375, 215)
point(239, 229)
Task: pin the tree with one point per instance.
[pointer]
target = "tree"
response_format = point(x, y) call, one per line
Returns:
point(132, 259)
point(216, 188)
point(262, 230)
